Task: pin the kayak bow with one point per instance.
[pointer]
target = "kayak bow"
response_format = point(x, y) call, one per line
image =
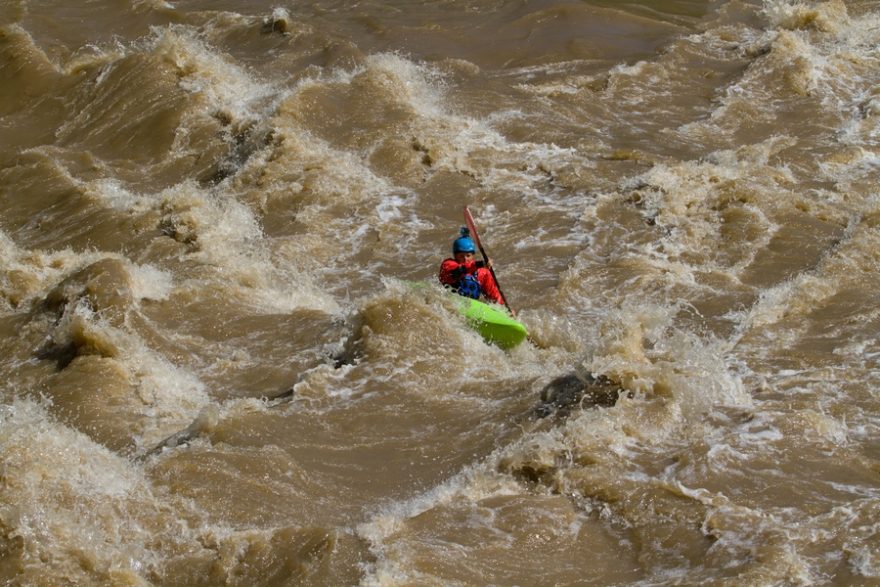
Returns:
point(494, 324)
point(491, 321)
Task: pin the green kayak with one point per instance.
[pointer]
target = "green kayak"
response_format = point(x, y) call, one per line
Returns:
point(493, 323)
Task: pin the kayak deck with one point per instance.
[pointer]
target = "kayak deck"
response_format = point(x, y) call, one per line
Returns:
point(493, 323)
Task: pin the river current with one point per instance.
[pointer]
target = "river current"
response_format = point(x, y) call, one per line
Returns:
point(215, 370)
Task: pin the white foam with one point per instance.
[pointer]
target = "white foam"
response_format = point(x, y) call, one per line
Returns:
point(38, 449)
point(149, 282)
point(807, 291)
point(419, 86)
point(115, 195)
point(685, 198)
point(864, 561)
point(223, 85)
point(724, 452)
point(170, 395)
point(42, 270)
point(231, 241)
point(154, 4)
point(471, 485)
point(462, 143)
point(824, 16)
point(60, 489)
point(389, 208)
point(640, 346)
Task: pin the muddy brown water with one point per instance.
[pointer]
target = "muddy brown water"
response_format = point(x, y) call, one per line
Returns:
point(214, 371)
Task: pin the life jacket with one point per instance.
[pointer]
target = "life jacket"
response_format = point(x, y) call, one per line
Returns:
point(469, 287)
point(471, 280)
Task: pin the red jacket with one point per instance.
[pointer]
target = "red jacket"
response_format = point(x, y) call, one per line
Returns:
point(451, 272)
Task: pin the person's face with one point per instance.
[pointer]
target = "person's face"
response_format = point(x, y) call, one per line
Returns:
point(464, 258)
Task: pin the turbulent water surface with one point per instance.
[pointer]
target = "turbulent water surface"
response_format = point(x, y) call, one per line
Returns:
point(215, 372)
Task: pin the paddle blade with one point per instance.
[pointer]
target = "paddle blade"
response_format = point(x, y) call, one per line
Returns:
point(469, 220)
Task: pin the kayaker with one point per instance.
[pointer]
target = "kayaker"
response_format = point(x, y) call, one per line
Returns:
point(466, 275)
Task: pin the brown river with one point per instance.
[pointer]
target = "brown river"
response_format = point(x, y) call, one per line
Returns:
point(215, 368)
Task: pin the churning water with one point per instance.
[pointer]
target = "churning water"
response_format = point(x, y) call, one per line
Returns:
point(213, 369)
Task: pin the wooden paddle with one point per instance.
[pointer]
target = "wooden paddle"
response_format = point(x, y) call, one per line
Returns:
point(470, 224)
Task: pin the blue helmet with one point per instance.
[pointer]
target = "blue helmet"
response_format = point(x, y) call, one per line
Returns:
point(463, 244)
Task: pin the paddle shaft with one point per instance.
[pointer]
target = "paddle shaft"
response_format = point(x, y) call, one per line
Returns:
point(469, 219)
